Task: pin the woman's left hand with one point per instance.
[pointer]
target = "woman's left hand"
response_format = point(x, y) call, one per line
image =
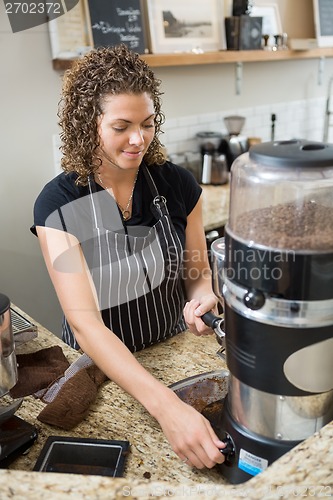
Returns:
point(189, 433)
point(193, 311)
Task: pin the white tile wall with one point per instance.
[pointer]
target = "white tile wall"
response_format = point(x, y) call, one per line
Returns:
point(302, 119)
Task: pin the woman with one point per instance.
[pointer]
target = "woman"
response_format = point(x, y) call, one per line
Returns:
point(122, 236)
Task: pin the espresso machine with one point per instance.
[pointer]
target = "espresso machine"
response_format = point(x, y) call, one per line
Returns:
point(277, 289)
point(16, 435)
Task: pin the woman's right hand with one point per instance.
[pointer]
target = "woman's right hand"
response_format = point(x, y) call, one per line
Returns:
point(190, 434)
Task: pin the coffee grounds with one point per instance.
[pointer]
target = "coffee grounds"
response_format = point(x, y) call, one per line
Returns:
point(308, 226)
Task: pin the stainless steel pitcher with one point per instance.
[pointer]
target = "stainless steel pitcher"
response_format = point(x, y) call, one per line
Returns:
point(8, 364)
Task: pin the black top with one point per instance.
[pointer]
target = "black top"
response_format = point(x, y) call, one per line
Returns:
point(175, 183)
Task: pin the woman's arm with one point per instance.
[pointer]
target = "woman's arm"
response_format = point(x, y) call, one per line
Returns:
point(197, 274)
point(188, 432)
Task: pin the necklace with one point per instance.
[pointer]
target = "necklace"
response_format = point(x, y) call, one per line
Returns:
point(126, 213)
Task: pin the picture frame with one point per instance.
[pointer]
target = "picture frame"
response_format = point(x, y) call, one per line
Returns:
point(323, 15)
point(69, 36)
point(271, 20)
point(113, 22)
point(183, 26)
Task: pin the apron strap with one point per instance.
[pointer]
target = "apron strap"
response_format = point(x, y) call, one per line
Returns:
point(95, 210)
point(158, 205)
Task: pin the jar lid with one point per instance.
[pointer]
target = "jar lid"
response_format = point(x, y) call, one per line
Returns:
point(4, 303)
point(294, 153)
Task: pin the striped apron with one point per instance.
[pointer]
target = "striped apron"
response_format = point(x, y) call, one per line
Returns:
point(137, 272)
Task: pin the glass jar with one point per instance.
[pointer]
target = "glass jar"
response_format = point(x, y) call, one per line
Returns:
point(281, 196)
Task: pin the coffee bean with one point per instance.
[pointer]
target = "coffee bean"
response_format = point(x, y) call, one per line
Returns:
point(295, 226)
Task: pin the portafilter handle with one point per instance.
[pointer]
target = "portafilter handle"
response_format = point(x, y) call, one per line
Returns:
point(216, 323)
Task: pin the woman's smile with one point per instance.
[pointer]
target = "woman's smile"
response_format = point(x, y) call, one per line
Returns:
point(133, 154)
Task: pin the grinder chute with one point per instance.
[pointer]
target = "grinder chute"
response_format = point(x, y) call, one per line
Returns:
point(278, 302)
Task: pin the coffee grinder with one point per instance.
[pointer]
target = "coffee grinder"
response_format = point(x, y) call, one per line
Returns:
point(214, 166)
point(278, 303)
point(234, 143)
point(16, 435)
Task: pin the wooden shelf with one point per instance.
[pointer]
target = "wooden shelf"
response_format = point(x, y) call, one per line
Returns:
point(233, 56)
point(221, 57)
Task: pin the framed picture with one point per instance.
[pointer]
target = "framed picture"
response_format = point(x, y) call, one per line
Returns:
point(271, 21)
point(323, 17)
point(69, 36)
point(183, 26)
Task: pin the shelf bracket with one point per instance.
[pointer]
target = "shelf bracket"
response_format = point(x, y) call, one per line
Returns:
point(321, 67)
point(239, 77)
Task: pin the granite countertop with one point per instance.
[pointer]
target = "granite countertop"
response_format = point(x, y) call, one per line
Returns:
point(215, 206)
point(152, 469)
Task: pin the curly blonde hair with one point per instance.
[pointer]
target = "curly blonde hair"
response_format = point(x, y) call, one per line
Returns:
point(101, 72)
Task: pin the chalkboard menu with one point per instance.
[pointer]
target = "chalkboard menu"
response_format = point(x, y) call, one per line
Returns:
point(118, 21)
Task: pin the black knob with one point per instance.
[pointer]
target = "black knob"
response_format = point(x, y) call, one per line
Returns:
point(229, 447)
point(254, 299)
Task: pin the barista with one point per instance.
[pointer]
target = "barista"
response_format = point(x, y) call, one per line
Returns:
point(122, 236)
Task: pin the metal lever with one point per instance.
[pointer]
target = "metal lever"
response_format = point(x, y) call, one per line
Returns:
point(221, 354)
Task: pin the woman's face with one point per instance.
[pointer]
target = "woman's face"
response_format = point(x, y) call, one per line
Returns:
point(126, 128)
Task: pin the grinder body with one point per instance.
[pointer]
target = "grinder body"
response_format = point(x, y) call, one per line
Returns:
point(278, 303)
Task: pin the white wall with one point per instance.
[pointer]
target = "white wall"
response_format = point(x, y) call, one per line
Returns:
point(30, 90)
point(29, 94)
